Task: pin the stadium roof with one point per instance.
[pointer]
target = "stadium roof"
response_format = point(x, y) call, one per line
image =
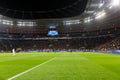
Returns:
point(42, 9)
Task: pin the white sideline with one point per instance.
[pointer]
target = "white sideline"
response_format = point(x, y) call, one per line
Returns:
point(30, 69)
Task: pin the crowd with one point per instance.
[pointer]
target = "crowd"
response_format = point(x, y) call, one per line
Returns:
point(113, 44)
point(96, 40)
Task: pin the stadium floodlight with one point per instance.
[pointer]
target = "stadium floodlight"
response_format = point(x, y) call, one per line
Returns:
point(110, 7)
point(7, 22)
point(67, 23)
point(100, 15)
point(87, 20)
point(115, 2)
point(71, 22)
point(101, 4)
point(29, 24)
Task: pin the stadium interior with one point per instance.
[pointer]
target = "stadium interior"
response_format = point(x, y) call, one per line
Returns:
point(59, 39)
point(74, 25)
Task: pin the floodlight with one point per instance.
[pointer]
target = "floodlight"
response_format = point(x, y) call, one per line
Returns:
point(100, 15)
point(101, 4)
point(115, 2)
point(110, 7)
point(87, 20)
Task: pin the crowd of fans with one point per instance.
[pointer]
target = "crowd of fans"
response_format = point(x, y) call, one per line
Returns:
point(113, 44)
point(94, 40)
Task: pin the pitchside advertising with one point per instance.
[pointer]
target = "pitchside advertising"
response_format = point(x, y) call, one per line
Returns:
point(114, 51)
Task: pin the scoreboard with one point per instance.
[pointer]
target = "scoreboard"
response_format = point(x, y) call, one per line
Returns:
point(52, 29)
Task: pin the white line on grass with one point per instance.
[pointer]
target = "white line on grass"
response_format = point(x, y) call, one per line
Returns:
point(30, 69)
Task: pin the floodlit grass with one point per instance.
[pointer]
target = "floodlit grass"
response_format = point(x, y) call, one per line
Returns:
point(63, 66)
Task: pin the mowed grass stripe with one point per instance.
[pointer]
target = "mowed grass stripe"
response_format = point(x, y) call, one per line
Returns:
point(29, 69)
point(70, 67)
point(21, 62)
point(108, 61)
point(67, 66)
point(10, 57)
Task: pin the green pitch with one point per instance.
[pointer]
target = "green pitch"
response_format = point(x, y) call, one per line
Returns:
point(60, 66)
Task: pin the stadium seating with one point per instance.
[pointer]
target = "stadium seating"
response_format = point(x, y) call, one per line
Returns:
point(89, 40)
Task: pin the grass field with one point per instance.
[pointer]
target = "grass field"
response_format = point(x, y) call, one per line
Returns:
point(60, 66)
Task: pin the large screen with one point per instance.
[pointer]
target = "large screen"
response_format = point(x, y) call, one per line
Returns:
point(52, 33)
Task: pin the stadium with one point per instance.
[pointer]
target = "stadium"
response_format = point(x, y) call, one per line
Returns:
point(60, 40)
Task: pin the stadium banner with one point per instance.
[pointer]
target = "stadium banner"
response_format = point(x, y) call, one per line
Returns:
point(113, 51)
point(116, 51)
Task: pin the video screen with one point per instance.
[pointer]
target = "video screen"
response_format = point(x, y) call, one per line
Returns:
point(52, 33)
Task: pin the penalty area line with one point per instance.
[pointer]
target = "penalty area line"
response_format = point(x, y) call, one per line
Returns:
point(26, 71)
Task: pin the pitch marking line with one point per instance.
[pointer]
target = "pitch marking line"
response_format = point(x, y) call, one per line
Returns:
point(30, 69)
